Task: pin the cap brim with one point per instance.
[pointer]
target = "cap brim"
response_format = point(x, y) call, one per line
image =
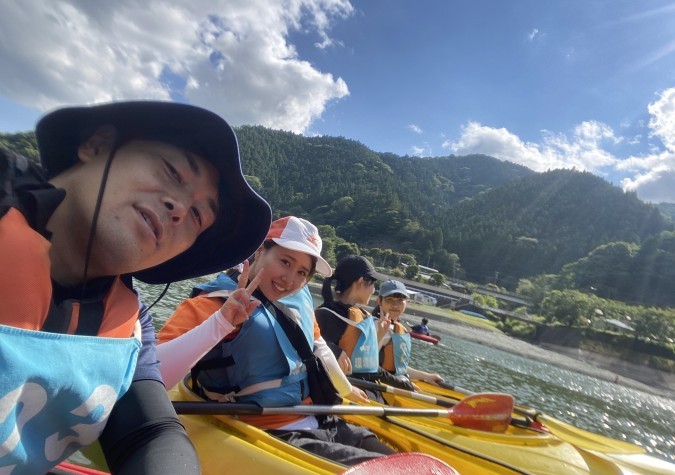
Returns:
point(322, 267)
point(377, 276)
point(243, 217)
point(396, 291)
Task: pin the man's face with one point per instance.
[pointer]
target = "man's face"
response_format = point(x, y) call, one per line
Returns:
point(158, 199)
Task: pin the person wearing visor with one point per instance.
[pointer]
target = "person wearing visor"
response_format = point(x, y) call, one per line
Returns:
point(140, 189)
point(350, 331)
point(241, 336)
point(395, 345)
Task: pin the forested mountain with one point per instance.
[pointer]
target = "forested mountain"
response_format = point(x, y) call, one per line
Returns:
point(540, 222)
point(503, 220)
point(668, 209)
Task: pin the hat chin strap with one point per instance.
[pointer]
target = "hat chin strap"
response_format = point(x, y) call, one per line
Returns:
point(97, 210)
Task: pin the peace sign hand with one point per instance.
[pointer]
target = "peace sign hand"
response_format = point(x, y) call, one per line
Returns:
point(239, 305)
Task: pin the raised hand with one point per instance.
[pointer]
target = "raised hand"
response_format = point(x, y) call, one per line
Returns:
point(239, 306)
point(383, 324)
point(345, 363)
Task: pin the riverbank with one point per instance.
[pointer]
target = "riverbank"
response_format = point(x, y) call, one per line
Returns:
point(593, 364)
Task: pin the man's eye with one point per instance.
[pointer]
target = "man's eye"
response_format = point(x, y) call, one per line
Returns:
point(197, 214)
point(173, 172)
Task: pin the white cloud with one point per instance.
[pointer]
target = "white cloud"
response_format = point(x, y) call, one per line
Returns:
point(533, 34)
point(651, 176)
point(654, 174)
point(415, 128)
point(662, 121)
point(581, 151)
point(231, 56)
point(417, 150)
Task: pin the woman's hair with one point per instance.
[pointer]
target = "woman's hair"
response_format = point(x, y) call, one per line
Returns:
point(327, 290)
point(269, 244)
point(425, 321)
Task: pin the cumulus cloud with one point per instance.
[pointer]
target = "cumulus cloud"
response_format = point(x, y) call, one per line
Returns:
point(417, 150)
point(232, 56)
point(654, 174)
point(415, 128)
point(651, 176)
point(581, 150)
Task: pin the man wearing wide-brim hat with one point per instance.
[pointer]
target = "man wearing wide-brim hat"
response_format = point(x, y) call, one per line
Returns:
point(152, 190)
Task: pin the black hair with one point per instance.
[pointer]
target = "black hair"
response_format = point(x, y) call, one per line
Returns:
point(327, 290)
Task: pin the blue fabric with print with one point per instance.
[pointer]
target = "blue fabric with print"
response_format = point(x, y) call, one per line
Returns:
point(56, 394)
point(401, 342)
point(365, 357)
point(302, 307)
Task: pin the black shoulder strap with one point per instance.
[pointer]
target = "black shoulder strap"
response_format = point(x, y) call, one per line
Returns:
point(24, 186)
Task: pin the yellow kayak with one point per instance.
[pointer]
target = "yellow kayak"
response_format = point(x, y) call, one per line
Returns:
point(623, 454)
point(225, 444)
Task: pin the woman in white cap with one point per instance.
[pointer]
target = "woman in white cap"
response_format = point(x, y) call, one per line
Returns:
point(238, 349)
point(395, 346)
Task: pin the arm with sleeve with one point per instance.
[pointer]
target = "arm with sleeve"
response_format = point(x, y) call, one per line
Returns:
point(194, 329)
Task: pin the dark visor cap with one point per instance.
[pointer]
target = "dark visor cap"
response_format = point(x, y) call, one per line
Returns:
point(243, 217)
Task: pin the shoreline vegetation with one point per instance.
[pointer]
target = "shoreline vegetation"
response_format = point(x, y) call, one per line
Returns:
point(597, 365)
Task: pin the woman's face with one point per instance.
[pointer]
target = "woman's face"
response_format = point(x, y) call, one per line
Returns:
point(394, 305)
point(286, 271)
point(364, 290)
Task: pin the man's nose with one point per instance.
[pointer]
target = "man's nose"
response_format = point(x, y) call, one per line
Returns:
point(177, 210)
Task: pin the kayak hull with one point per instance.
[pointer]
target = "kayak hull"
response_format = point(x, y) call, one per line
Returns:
point(433, 339)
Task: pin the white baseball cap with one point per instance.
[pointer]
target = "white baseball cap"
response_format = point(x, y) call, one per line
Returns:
point(298, 234)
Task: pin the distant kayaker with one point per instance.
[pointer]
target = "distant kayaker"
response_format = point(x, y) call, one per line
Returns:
point(395, 344)
point(151, 190)
point(241, 350)
point(421, 328)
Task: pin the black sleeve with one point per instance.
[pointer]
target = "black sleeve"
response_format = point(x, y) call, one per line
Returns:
point(144, 435)
point(331, 326)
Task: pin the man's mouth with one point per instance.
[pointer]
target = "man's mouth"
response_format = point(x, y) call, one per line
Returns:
point(153, 223)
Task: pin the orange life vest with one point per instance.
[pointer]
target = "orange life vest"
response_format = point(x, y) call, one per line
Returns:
point(387, 353)
point(26, 288)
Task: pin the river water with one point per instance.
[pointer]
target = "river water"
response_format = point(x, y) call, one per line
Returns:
point(600, 406)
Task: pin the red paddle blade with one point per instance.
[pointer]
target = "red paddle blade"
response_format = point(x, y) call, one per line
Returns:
point(490, 412)
point(67, 468)
point(402, 464)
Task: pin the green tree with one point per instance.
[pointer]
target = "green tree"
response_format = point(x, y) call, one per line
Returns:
point(345, 249)
point(412, 271)
point(437, 279)
point(568, 307)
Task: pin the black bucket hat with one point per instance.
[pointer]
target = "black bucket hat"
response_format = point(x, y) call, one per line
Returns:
point(243, 217)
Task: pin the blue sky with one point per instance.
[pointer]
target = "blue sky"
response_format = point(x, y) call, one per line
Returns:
point(588, 84)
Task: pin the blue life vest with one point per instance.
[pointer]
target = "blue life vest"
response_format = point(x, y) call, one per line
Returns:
point(259, 353)
point(365, 356)
point(401, 346)
point(52, 406)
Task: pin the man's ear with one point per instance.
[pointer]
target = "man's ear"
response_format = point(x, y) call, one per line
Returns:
point(98, 143)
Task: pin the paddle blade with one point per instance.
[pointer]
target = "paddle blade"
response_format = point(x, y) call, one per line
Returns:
point(490, 412)
point(402, 464)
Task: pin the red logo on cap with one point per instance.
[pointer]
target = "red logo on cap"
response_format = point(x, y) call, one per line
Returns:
point(314, 239)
